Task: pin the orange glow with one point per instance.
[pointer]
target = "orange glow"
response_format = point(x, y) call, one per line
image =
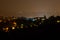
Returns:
point(14, 23)
point(6, 29)
point(0, 20)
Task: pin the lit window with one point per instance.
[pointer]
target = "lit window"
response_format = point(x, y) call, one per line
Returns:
point(58, 21)
point(43, 19)
point(0, 20)
point(21, 26)
point(14, 23)
point(13, 28)
point(6, 29)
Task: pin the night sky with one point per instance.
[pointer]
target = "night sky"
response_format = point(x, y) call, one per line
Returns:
point(29, 8)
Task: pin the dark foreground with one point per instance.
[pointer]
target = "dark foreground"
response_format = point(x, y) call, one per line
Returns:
point(41, 31)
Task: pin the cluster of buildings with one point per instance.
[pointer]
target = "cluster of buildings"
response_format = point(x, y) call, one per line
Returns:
point(12, 23)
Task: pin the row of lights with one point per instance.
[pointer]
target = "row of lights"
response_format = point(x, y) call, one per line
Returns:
point(6, 29)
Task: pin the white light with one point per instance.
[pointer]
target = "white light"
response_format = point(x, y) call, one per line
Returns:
point(13, 28)
point(43, 19)
point(58, 21)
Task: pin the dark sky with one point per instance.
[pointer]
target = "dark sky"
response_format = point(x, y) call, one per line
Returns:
point(29, 8)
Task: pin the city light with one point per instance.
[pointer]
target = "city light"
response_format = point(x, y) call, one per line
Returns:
point(42, 19)
point(21, 26)
point(6, 29)
point(8, 25)
point(0, 20)
point(13, 28)
point(58, 21)
point(15, 24)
